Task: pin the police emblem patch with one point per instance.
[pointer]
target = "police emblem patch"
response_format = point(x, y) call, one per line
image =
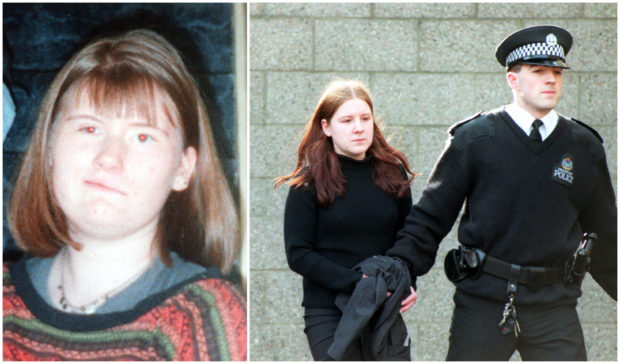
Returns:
point(564, 171)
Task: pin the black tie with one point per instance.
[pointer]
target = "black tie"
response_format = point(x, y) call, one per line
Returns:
point(535, 134)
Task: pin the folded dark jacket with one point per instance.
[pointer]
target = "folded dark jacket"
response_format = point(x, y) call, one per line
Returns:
point(368, 314)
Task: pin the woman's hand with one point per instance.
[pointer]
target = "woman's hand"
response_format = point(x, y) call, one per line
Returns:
point(409, 301)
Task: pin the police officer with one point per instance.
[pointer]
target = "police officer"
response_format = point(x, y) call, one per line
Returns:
point(533, 182)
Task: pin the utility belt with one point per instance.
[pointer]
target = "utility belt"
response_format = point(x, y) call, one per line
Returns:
point(467, 262)
point(471, 262)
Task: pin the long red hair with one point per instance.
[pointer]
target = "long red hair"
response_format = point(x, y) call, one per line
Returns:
point(317, 161)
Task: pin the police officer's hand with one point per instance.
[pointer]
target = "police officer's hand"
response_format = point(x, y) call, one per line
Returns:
point(409, 301)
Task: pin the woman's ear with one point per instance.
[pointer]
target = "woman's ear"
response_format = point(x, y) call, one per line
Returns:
point(325, 127)
point(186, 169)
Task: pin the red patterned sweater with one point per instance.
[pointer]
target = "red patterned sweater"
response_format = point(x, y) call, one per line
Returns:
point(203, 319)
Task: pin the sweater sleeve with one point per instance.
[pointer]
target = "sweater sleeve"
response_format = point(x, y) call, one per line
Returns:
point(600, 217)
point(432, 217)
point(224, 323)
point(300, 223)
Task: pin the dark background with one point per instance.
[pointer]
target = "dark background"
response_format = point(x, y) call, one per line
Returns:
point(40, 38)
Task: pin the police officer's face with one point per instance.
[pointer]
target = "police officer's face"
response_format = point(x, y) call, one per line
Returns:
point(536, 88)
point(351, 128)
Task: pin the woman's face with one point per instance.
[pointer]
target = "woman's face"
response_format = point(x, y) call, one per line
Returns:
point(351, 128)
point(112, 174)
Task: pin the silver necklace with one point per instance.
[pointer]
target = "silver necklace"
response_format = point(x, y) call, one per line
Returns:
point(91, 307)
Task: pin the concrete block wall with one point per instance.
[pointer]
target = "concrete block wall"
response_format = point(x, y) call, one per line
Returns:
point(428, 66)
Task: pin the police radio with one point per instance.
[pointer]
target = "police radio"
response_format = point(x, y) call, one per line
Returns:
point(576, 268)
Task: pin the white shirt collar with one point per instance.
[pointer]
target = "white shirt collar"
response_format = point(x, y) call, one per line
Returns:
point(524, 120)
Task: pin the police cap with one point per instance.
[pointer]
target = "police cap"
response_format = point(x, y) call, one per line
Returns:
point(545, 45)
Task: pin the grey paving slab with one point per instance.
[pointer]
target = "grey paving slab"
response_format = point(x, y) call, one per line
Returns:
point(601, 10)
point(280, 44)
point(422, 11)
point(365, 45)
point(462, 45)
point(319, 10)
point(276, 297)
point(273, 150)
point(430, 340)
point(529, 10)
point(595, 306)
point(423, 99)
point(279, 342)
point(267, 248)
point(257, 97)
point(256, 9)
point(267, 201)
point(601, 341)
point(596, 92)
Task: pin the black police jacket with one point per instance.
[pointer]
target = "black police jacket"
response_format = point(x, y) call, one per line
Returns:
point(370, 315)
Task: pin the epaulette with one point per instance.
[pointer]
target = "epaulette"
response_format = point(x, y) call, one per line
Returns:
point(591, 129)
point(463, 122)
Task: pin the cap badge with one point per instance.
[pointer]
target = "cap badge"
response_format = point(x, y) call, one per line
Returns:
point(551, 39)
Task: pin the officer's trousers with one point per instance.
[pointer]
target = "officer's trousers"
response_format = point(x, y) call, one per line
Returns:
point(550, 332)
point(320, 326)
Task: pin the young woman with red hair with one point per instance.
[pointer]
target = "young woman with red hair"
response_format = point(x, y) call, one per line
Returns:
point(348, 198)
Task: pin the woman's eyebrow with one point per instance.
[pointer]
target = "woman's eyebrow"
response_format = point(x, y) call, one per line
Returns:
point(83, 116)
point(148, 125)
point(353, 114)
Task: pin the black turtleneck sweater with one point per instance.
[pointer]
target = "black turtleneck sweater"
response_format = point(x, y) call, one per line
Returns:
point(323, 244)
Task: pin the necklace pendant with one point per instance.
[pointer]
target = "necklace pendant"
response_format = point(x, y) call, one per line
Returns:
point(92, 307)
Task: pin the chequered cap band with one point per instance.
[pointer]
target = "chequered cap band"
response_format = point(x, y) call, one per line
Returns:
point(535, 49)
